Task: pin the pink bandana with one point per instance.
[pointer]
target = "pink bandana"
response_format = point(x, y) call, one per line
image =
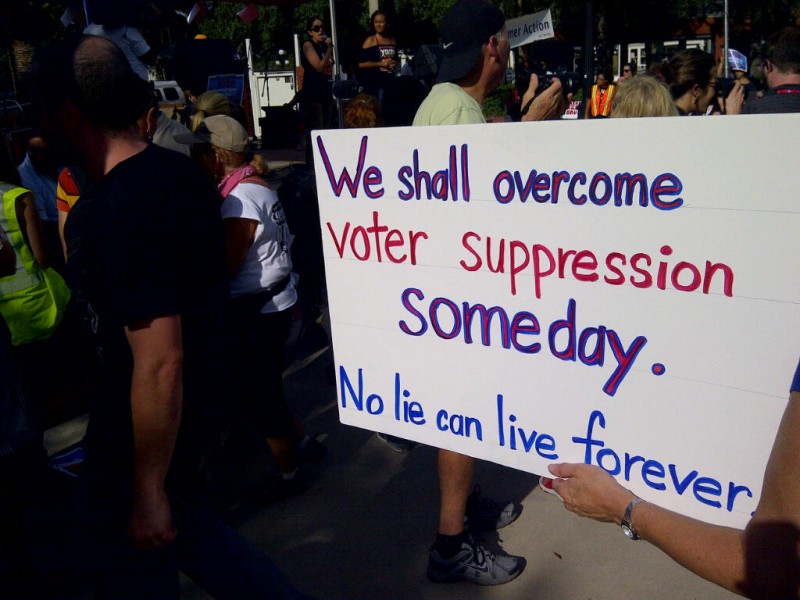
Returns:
point(234, 178)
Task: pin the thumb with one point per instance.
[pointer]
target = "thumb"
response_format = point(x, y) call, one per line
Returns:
point(563, 470)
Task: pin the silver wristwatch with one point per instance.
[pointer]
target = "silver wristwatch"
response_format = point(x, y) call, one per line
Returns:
point(626, 520)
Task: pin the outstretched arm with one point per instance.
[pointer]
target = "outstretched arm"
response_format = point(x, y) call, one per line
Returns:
point(718, 554)
point(713, 552)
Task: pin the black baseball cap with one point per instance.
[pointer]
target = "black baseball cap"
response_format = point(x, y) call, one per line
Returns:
point(466, 27)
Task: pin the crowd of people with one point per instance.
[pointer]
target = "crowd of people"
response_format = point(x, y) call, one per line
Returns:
point(182, 291)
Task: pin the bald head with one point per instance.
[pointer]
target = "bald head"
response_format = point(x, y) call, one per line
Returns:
point(94, 75)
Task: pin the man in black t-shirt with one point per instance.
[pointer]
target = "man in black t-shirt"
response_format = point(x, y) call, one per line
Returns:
point(145, 248)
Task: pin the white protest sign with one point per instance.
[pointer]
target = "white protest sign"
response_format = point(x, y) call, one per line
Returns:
point(623, 292)
point(530, 28)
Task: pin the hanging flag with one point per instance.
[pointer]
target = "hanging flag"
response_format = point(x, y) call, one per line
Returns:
point(198, 12)
point(248, 14)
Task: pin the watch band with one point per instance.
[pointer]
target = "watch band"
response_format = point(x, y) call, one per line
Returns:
point(627, 529)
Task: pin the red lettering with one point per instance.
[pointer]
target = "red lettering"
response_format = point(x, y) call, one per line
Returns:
point(363, 240)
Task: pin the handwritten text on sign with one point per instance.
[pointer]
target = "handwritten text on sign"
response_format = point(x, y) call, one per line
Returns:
point(532, 293)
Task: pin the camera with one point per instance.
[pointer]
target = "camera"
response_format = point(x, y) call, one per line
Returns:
point(725, 86)
point(570, 82)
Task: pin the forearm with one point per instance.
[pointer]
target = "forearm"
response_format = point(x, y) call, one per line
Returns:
point(327, 60)
point(319, 64)
point(710, 551)
point(156, 402)
point(713, 552)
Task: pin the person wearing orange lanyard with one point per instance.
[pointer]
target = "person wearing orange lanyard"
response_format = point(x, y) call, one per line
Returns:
point(781, 68)
point(602, 96)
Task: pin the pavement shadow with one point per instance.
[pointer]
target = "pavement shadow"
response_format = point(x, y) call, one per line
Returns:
point(363, 528)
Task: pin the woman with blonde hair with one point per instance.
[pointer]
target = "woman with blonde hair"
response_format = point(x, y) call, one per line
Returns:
point(209, 104)
point(643, 96)
point(262, 289)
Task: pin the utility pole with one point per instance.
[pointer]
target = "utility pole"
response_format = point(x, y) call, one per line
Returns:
point(725, 56)
point(588, 53)
point(373, 6)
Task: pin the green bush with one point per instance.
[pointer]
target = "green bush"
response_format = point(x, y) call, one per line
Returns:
point(496, 103)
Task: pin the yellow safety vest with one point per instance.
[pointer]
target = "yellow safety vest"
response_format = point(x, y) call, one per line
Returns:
point(603, 110)
point(32, 299)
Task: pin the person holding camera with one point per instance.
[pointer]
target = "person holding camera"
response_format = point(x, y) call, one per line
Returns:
point(727, 87)
point(781, 67)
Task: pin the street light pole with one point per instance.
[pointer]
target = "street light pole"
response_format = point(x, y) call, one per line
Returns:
point(725, 57)
point(337, 66)
point(588, 53)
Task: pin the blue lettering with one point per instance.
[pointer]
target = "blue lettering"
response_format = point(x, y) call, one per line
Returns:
point(407, 305)
point(588, 441)
point(508, 196)
point(653, 468)
point(374, 403)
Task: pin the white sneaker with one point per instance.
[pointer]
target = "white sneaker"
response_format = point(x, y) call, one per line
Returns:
point(476, 564)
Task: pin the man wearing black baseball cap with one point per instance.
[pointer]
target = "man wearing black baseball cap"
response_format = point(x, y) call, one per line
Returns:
point(475, 51)
point(475, 56)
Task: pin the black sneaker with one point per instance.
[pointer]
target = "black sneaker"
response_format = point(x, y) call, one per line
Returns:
point(484, 514)
point(476, 564)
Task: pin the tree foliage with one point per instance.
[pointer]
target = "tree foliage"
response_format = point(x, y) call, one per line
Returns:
point(416, 22)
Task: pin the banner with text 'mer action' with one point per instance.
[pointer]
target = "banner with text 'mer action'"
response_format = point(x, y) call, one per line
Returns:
point(624, 293)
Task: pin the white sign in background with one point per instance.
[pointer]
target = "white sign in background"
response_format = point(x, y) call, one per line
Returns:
point(675, 390)
point(530, 28)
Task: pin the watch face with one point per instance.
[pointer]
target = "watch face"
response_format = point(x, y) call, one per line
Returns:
point(629, 532)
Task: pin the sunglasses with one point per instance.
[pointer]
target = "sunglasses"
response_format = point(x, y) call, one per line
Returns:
point(626, 70)
point(318, 28)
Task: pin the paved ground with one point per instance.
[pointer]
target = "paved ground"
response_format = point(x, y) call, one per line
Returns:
point(362, 531)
